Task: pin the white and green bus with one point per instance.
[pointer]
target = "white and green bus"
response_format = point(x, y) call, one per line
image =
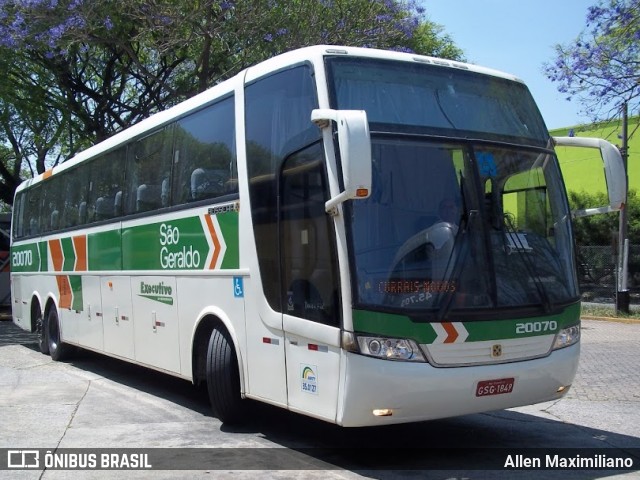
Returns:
point(5, 261)
point(362, 236)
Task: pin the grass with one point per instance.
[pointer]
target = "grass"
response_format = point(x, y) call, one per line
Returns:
point(582, 168)
point(608, 311)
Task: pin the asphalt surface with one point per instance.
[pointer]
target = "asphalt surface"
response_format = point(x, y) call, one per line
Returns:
point(93, 402)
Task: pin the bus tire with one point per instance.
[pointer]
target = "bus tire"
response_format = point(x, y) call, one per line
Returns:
point(41, 332)
point(58, 350)
point(223, 378)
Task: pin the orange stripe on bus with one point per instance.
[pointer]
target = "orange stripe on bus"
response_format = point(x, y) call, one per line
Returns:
point(57, 257)
point(80, 246)
point(64, 287)
point(452, 333)
point(216, 242)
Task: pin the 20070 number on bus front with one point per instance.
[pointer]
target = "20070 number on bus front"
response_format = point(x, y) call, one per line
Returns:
point(494, 387)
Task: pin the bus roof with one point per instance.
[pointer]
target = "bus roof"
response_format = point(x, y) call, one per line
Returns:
point(314, 54)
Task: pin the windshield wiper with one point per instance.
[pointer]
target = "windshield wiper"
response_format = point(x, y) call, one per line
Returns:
point(522, 249)
point(460, 244)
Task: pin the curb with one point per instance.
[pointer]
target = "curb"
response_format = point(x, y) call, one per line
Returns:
point(631, 321)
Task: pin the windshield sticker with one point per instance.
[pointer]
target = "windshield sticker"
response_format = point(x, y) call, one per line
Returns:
point(517, 242)
point(487, 164)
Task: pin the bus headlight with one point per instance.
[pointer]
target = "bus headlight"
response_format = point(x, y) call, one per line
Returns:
point(386, 348)
point(567, 336)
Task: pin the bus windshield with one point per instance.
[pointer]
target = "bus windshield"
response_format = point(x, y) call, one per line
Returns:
point(453, 223)
point(414, 97)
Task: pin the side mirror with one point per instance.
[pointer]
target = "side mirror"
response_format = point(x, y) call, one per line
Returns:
point(614, 173)
point(355, 152)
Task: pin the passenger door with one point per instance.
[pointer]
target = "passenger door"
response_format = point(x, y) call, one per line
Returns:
point(309, 286)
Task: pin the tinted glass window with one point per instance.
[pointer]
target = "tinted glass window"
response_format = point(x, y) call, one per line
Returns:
point(205, 154)
point(33, 209)
point(75, 194)
point(308, 253)
point(18, 216)
point(105, 188)
point(53, 203)
point(437, 99)
point(149, 172)
point(278, 123)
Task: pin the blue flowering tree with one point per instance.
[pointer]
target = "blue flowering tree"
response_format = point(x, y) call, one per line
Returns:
point(602, 67)
point(77, 71)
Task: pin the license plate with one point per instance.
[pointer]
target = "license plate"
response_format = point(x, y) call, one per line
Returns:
point(494, 387)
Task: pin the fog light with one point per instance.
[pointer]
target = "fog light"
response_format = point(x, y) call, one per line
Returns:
point(383, 412)
point(563, 389)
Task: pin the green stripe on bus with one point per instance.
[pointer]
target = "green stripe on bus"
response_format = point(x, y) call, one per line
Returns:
point(523, 327)
point(25, 258)
point(69, 254)
point(229, 227)
point(401, 326)
point(76, 288)
point(43, 253)
point(392, 325)
point(104, 251)
point(178, 244)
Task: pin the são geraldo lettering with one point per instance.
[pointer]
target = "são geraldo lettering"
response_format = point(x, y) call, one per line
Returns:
point(183, 257)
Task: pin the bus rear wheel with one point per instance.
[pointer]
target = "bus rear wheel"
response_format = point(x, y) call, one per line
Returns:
point(41, 332)
point(58, 350)
point(223, 378)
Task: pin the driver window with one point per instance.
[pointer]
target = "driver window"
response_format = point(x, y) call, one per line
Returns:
point(309, 285)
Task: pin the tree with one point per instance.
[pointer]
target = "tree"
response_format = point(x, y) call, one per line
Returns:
point(601, 229)
point(602, 67)
point(77, 71)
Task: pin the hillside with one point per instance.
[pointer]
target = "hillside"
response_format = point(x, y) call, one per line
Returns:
point(582, 169)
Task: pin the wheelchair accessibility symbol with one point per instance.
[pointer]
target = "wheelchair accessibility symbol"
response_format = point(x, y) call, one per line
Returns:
point(238, 288)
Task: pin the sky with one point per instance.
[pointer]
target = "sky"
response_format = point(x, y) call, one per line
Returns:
point(517, 37)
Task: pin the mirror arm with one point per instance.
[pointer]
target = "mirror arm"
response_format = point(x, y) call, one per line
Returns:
point(322, 118)
point(331, 205)
point(355, 151)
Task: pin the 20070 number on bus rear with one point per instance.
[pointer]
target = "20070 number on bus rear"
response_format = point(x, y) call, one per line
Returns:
point(494, 387)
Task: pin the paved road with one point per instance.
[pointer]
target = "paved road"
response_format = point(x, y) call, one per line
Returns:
point(96, 402)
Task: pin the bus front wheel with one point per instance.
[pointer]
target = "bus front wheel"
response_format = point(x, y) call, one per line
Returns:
point(223, 378)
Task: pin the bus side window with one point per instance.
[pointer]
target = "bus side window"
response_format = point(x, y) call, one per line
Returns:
point(33, 211)
point(18, 216)
point(148, 165)
point(74, 190)
point(205, 154)
point(105, 182)
point(52, 204)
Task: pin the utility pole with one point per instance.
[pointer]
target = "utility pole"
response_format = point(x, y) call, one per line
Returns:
point(622, 293)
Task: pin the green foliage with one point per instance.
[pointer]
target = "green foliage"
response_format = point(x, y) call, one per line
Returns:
point(74, 73)
point(601, 66)
point(602, 229)
point(430, 39)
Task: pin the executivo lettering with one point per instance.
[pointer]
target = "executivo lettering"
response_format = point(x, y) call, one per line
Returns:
point(158, 292)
